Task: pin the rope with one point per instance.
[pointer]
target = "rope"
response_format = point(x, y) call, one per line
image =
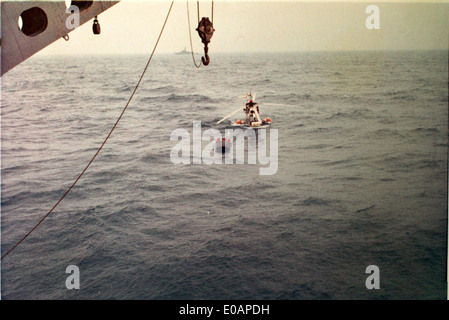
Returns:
point(190, 36)
point(99, 149)
point(198, 9)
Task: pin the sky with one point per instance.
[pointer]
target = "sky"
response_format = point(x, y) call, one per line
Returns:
point(132, 27)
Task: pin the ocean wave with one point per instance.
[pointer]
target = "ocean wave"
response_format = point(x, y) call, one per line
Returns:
point(366, 209)
point(354, 114)
point(197, 98)
point(151, 158)
point(385, 133)
point(427, 130)
point(313, 201)
point(431, 164)
point(316, 147)
point(400, 95)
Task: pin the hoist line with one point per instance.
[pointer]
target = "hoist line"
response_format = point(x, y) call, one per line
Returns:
point(198, 9)
point(101, 147)
point(190, 36)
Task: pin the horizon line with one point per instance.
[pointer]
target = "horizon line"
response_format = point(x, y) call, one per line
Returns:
point(244, 52)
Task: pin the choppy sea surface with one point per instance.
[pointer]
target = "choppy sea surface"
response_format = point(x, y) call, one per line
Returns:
point(361, 179)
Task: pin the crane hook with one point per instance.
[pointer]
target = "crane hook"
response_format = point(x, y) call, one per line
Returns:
point(206, 58)
point(205, 31)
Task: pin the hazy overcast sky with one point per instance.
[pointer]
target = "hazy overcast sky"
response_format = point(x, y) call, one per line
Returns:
point(133, 26)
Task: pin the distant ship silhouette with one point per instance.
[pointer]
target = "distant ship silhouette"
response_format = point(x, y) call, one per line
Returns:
point(183, 51)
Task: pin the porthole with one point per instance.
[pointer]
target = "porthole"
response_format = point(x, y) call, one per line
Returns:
point(33, 21)
point(82, 5)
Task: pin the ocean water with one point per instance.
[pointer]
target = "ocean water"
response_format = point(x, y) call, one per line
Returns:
point(361, 179)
